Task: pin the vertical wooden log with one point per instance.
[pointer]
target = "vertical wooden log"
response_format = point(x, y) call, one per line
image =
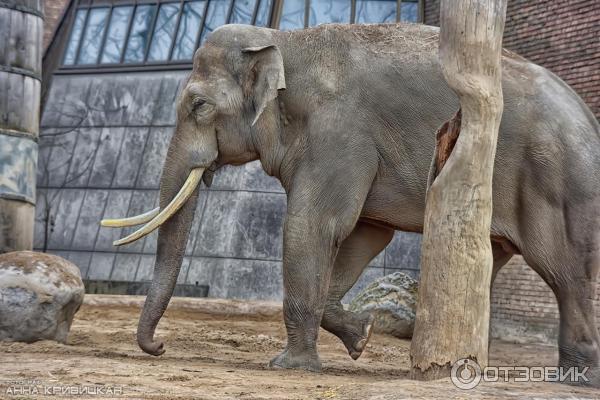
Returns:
point(453, 308)
point(20, 76)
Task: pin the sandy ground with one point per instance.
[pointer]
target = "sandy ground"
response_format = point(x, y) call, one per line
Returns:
point(225, 356)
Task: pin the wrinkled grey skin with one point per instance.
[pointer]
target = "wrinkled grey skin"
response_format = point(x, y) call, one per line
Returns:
point(351, 139)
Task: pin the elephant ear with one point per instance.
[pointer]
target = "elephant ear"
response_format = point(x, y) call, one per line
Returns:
point(268, 76)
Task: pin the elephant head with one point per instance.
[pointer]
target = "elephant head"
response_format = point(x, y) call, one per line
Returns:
point(226, 113)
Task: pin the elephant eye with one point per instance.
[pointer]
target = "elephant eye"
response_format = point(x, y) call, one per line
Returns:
point(197, 104)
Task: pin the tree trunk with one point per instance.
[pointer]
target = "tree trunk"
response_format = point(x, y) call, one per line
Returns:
point(453, 308)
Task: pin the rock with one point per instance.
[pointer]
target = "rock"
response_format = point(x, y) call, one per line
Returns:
point(39, 295)
point(392, 299)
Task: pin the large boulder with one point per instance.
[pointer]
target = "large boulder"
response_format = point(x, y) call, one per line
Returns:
point(39, 295)
point(392, 299)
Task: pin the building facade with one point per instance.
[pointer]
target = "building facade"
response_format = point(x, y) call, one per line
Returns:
point(112, 71)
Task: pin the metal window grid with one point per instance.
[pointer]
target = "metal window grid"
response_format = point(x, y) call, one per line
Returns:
point(273, 19)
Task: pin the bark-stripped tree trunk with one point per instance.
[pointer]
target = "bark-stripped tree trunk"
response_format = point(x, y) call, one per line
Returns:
point(453, 306)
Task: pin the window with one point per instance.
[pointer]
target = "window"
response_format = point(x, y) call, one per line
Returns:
point(298, 14)
point(109, 33)
point(136, 32)
point(376, 10)
point(117, 32)
point(139, 34)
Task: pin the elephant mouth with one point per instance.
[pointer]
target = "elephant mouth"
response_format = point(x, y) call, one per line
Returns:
point(207, 178)
point(155, 218)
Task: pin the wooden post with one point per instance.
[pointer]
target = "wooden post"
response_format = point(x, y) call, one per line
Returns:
point(20, 75)
point(453, 308)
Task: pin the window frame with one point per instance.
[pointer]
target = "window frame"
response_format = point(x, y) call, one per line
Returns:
point(278, 12)
point(273, 21)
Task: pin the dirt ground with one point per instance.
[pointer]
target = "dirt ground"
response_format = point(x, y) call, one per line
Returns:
point(213, 356)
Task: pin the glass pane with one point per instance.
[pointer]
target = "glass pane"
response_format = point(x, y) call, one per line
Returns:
point(92, 38)
point(264, 13)
point(138, 38)
point(242, 12)
point(375, 11)
point(292, 15)
point(115, 38)
point(409, 11)
point(71, 51)
point(328, 11)
point(215, 17)
point(164, 31)
point(188, 30)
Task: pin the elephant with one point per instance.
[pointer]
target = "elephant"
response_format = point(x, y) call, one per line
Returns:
point(344, 116)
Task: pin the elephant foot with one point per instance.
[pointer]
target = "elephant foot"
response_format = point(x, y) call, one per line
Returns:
point(307, 360)
point(358, 342)
point(581, 356)
point(353, 329)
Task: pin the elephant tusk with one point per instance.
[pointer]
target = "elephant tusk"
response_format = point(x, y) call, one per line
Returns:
point(131, 221)
point(178, 201)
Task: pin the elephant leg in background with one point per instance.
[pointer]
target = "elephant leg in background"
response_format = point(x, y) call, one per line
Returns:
point(364, 243)
point(578, 338)
point(567, 257)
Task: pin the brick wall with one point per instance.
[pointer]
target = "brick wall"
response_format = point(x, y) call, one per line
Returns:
point(432, 12)
point(522, 304)
point(53, 10)
point(563, 36)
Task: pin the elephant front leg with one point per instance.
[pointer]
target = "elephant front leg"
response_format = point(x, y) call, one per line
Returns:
point(326, 195)
point(309, 251)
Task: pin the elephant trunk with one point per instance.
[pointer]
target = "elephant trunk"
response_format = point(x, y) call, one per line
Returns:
point(172, 240)
point(190, 153)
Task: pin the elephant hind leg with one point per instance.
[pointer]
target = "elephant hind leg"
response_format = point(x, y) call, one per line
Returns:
point(579, 339)
point(579, 342)
point(364, 243)
point(568, 259)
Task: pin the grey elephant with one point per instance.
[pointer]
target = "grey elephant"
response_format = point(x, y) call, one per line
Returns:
point(345, 117)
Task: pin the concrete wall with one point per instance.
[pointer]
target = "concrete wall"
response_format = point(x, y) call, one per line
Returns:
point(103, 142)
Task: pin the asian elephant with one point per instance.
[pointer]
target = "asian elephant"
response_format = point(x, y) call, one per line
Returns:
point(345, 117)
